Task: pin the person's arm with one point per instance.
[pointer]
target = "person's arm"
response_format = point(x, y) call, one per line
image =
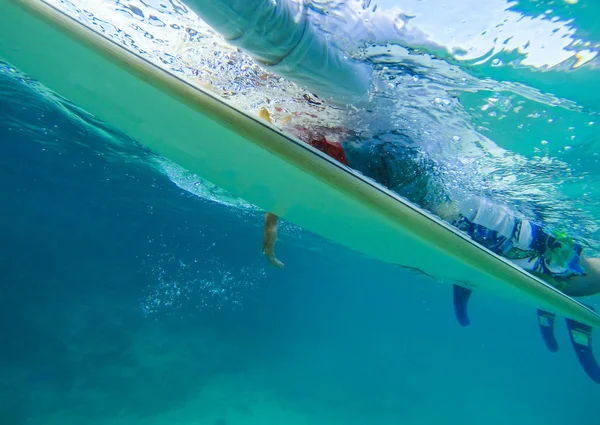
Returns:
point(281, 38)
point(588, 284)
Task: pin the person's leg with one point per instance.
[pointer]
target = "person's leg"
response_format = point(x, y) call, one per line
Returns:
point(271, 220)
point(269, 239)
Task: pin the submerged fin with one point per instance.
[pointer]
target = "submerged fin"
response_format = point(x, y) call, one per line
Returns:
point(461, 301)
point(581, 338)
point(546, 322)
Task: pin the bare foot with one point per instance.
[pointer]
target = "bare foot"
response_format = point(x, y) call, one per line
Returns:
point(269, 239)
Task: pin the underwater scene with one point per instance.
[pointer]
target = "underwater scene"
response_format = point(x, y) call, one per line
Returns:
point(134, 291)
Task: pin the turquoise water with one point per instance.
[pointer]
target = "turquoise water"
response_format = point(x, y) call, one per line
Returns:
point(136, 293)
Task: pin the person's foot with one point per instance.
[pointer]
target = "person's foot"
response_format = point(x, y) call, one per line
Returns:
point(274, 261)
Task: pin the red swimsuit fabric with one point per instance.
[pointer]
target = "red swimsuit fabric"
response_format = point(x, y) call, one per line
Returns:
point(331, 148)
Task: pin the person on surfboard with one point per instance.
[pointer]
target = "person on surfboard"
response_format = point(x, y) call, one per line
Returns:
point(555, 257)
point(280, 37)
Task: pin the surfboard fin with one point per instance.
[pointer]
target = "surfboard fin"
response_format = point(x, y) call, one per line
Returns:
point(581, 338)
point(546, 322)
point(461, 301)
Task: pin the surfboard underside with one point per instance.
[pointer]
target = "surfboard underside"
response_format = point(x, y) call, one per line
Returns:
point(252, 159)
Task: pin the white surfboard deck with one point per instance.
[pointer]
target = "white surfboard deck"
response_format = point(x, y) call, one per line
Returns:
point(252, 159)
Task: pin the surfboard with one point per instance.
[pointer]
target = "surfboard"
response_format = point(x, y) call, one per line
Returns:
point(255, 161)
